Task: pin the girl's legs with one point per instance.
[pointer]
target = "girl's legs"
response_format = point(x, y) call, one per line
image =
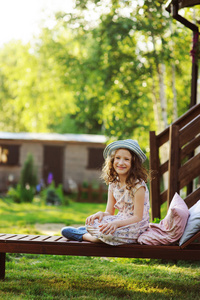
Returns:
point(74, 234)
point(78, 234)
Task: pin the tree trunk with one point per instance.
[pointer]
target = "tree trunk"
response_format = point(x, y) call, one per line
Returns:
point(163, 103)
point(155, 102)
point(175, 110)
point(160, 68)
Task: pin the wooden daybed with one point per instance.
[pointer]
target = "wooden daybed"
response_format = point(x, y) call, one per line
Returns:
point(185, 131)
point(57, 245)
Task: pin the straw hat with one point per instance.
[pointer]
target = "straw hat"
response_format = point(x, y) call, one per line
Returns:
point(125, 144)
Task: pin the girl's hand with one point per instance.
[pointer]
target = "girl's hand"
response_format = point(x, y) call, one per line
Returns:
point(90, 220)
point(109, 227)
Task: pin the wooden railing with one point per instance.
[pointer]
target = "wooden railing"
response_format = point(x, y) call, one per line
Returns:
point(91, 194)
point(182, 138)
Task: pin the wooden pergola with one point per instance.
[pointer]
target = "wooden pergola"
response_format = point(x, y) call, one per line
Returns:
point(173, 7)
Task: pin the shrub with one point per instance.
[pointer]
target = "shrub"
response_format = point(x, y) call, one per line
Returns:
point(53, 195)
point(27, 193)
point(14, 193)
point(28, 174)
point(28, 180)
point(21, 194)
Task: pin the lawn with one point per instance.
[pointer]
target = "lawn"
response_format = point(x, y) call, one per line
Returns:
point(59, 277)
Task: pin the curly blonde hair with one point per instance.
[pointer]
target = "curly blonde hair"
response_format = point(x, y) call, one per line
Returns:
point(136, 172)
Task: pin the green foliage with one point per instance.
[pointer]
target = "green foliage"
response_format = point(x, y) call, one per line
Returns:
point(100, 76)
point(28, 179)
point(21, 194)
point(54, 195)
point(28, 173)
point(25, 190)
point(15, 193)
point(27, 193)
point(156, 220)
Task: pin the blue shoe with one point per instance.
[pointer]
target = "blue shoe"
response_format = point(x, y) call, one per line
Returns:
point(75, 234)
point(81, 228)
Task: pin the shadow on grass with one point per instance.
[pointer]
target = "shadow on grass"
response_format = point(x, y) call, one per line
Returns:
point(95, 278)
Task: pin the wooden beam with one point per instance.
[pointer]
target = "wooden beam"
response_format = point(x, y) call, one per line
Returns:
point(189, 171)
point(2, 265)
point(191, 199)
point(174, 163)
point(190, 147)
point(193, 112)
point(155, 181)
point(188, 132)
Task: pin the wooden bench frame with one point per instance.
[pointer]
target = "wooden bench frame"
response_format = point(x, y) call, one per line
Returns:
point(57, 245)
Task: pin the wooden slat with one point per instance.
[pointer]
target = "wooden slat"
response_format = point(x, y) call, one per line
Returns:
point(188, 132)
point(163, 168)
point(163, 196)
point(2, 234)
point(163, 137)
point(155, 182)
point(7, 236)
point(29, 238)
point(62, 240)
point(16, 237)
point(53, 239)
point(192, 113)
point(174, 163)
point(193, 198)
point(41, 238)
point(189, 171)
point(190, 147)
point(192, 239)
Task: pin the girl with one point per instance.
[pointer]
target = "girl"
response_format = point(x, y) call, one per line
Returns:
point(127, 192)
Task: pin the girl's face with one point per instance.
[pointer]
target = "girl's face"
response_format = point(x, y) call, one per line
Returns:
point(122, 162)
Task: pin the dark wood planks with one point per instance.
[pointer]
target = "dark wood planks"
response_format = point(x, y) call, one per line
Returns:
point(57, 245)
point(183, 165)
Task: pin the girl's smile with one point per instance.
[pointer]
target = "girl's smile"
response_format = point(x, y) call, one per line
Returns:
point(122, 162)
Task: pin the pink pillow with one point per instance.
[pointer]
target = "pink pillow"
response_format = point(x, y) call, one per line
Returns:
point(171, 228)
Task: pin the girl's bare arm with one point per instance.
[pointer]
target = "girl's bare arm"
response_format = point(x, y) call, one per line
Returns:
point(110, 210)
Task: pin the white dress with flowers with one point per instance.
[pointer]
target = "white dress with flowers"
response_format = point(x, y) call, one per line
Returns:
point(125, 205)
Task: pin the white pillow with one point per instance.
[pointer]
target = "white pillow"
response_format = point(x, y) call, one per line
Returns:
point(193, 224)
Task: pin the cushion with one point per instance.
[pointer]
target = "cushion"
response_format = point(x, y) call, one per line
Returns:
point(171, 228)
point(193, 224)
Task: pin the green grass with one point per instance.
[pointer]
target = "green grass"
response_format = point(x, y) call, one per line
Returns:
point(22, 217)
point(44, 277)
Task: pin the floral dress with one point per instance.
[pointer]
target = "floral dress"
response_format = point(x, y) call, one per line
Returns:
point(125, 204)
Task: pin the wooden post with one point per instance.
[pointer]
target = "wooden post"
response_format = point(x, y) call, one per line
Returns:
point(100, 193)
point(155, 181)
point(190, 185)
point(174, 162)
point(90, 190)
point(79, 192)
point(193, 100)
point(2, 265)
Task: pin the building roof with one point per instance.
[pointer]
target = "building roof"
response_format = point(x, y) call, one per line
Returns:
point(30, 136)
